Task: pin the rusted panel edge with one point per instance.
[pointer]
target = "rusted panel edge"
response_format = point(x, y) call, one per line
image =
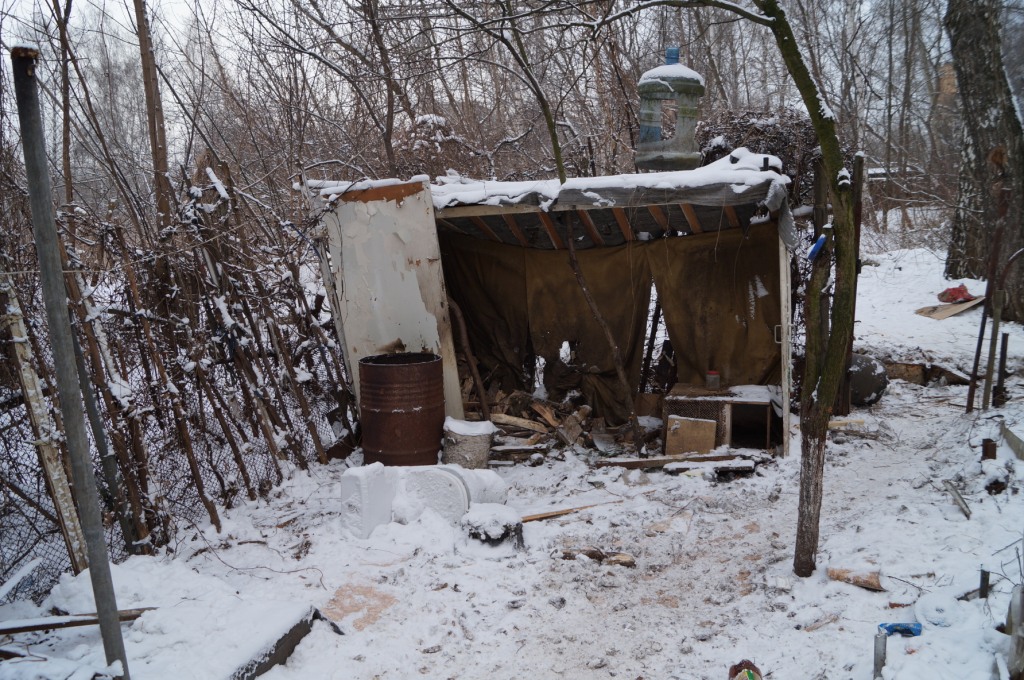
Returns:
point(391, 192)
point(24, 52)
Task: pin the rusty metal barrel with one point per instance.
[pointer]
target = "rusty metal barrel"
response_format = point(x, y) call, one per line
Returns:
point(401, 408)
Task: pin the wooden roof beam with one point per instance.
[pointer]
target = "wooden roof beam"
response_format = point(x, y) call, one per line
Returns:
point(624, 226)
point(513, 226)
point(549, 227)
point(590, 227)
point(691, 218)
point(450, 225)
point(731, 216)
point(479, 223)
point(659, 216)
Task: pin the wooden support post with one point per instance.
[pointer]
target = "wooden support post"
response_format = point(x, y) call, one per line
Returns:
point(44, 428)
point(997, 316)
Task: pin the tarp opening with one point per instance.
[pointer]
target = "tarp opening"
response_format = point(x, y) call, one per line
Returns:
point(719, 292)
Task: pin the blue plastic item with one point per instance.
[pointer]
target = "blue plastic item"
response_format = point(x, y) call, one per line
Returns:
point(904, 629)
point(815, 250)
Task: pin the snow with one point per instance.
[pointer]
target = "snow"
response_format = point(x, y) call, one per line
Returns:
point(660, 73)
point(742, 168)
point(713, 581)
point(468, 428)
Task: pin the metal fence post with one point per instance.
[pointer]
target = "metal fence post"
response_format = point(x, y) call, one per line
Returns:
point(23, 60)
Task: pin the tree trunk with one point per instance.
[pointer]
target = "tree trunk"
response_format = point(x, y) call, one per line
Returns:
point(826, 354)
point(154, 117)
point(991, 195)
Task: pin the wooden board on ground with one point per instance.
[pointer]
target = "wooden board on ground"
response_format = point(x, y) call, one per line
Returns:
point(1015, 443)
point(689, 435)
point(869, 580)
point(940, 312)
point(69, 621)
point(659, 461)
point(733, 465)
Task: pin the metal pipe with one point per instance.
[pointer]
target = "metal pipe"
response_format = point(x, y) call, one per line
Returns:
point(23, 61)
point(880, 642)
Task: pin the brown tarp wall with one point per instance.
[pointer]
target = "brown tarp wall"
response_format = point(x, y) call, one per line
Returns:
point(719, 294)
point(720, 297)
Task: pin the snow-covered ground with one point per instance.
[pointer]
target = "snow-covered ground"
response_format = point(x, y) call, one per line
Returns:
point(713, 580)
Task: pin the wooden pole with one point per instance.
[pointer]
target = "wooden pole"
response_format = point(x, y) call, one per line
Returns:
point(43, 427)
point(460, 322)
point(997, 316)
point(620, 369)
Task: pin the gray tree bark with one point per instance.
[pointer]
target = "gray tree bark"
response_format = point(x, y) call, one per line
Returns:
point(991, 195)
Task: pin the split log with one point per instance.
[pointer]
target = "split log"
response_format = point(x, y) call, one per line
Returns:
point(522, 423)
point(869, 580)
point(547, 413)
point(572, 426)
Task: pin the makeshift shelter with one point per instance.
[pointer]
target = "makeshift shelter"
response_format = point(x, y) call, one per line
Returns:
point(712, 241)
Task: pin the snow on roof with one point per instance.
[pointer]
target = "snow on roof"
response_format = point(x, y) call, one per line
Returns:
point(741, 177)
point(740, 169)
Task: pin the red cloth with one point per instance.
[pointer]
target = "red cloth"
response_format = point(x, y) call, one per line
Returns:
point(958, 294)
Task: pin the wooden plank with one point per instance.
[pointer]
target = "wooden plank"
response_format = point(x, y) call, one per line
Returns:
point(659, 216)
point(691, 218)
point(479, 223)
point(567, 511)
point(513, 226)
point(689, 435)
point(869, 580)
point(940, 312)
point(735, 465)
point(624, 226)
point(957, 498)
point(523, 423)
point(448, 225)
point(70, 621)
point(590, 227)
point(1015, 443)
point(660, 461)
point(552, 230)
point(390, 192)
point(457, 211)
point(731, 217)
